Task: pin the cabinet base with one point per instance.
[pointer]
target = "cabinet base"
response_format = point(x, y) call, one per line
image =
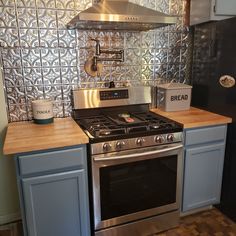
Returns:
point(190, 212)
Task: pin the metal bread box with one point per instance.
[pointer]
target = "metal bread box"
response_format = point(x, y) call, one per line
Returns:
point(174, 96)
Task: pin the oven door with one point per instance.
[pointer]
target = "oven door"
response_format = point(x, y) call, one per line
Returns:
point(136, 184)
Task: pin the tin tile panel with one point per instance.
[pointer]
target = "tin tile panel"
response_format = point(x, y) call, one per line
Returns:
point(31, 57)
point(25, 3)
point(11, 57)
point(69, 75)
point(34, 92)
point(32, 76)
point(51, 76)
point(47, 18)
point(26, 17)
point(14, 77)
point(49, 57)
point(5, 3)
point(9, 37)
point(29, 38)
point(41, 58)
point(63, 17)
point(48, 38)
point(8, 16)
point(45, 4)
point(66, 38)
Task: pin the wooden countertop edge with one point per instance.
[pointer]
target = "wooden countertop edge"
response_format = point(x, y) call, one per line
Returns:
point(11, 151)
point(65, 133)
point(205, 118)
point(206, 123)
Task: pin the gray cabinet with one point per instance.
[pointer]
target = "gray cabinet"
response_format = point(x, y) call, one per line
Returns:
point(225, 7)
point(211, 10)
point(54, 193)
point(203, 166)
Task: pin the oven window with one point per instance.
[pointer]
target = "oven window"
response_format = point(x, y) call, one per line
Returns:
point(137, 186)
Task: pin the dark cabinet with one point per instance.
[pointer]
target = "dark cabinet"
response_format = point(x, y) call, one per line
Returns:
point(211, 10)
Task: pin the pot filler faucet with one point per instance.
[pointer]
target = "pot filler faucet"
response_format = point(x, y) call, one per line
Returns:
point(92, 65)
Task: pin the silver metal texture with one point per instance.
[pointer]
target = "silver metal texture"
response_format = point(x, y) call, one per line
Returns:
point(120, 15)
point(90, 98)
point(146, 153)
point(149, 226)
point(41, 58)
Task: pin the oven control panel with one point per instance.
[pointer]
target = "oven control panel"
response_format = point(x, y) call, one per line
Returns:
point(132, 143)
point(114, 94)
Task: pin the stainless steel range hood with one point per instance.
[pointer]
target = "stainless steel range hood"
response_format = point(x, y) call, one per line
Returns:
point(119, 15)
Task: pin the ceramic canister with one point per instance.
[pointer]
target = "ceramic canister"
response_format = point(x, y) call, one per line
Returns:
point(42, 111)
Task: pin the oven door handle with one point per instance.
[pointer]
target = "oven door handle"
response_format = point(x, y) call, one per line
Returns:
point(137, 154)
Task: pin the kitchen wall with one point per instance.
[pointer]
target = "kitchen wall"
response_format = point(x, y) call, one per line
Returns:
point(9, 205)
point(42, 59)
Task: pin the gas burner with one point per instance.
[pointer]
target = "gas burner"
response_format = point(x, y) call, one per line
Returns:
point(95, 127)
point(104, 133)
point(154, 126)
point(167, 125)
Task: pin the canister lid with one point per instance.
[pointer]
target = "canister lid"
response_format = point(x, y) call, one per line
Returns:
point(42, 102)
point(174, 86)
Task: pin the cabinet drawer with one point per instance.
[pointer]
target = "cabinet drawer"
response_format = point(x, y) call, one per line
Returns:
point(205, 135)
point(50, 161)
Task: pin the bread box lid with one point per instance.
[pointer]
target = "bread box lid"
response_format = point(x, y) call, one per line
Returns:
point(174, 86)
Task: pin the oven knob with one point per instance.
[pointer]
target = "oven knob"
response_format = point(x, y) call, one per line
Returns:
point(120, 144)
point(170, 137)
point(140, 141)
point(106, 147)
point(159, 139)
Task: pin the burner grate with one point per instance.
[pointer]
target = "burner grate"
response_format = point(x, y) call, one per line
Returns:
point(103, 126)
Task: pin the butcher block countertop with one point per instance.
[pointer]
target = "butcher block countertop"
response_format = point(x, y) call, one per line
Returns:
point(27, 136)
point(194, 117)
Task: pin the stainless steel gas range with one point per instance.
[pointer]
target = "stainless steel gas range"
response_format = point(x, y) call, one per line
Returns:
point(135, 161)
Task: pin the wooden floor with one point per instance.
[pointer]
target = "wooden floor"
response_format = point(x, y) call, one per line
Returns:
point(207, 223)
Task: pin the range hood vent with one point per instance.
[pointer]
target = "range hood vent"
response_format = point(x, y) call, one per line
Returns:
point(119, 15)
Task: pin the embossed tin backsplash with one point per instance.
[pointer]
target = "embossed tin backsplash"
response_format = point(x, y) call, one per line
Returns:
point(42, 59)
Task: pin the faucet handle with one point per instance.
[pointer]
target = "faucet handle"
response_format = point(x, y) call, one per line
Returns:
point(94, 39)
point(98, 47)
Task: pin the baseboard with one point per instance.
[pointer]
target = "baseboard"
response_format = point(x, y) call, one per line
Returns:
point(10, 218)
point(12, 229)
point(182, 214)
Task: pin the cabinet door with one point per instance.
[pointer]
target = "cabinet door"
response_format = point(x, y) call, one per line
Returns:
point(57, 204)
point(202, 176)
point(225, 7)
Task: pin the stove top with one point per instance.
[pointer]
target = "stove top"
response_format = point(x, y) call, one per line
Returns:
point(117, 125)
point(119, 119)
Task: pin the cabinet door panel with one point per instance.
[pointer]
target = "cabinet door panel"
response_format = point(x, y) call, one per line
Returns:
point(56, 205)
point(202, 176)
point(224, 7)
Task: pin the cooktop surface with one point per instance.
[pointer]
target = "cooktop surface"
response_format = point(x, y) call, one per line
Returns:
point(116, 125)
